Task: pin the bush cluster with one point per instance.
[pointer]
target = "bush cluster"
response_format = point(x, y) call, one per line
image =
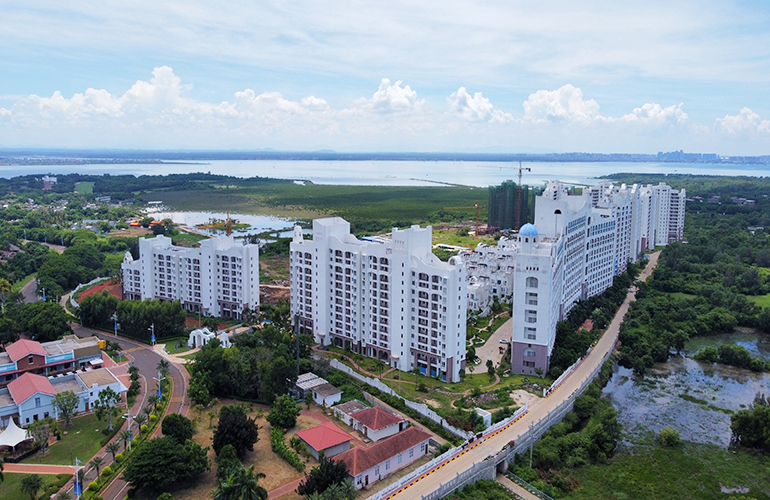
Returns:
point(278, 445)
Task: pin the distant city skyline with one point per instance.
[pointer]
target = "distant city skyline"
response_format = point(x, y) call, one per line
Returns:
point(403, 76)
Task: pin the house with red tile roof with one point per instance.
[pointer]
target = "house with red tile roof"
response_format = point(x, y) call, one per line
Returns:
point(327, 438)
point(369, 465)
point(376, 423)
point(48, 358)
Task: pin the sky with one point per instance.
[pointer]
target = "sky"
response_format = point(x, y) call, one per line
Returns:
point(354, 75)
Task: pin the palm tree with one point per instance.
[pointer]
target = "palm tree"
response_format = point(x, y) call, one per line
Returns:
point(113, 448)
point(140, 420)
point(64, 495)
point(333, 491)
point(163, 366)
point(96, 463)
point(242, 485)
point(348, 490)
point(152, 400)
point(125, 436)
point(31, 485)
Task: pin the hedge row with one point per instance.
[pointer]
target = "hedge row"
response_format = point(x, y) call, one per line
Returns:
point(278, 445)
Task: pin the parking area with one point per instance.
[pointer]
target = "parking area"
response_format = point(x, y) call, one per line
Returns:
point(492, 348)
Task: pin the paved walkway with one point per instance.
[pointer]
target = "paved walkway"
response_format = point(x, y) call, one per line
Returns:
point(492, 444)
point(515, 488)
point(491, 348)
point(37, 469)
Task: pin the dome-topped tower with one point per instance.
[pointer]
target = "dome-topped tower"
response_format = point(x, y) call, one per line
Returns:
point(528, 230)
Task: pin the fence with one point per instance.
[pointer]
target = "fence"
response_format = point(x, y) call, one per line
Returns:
point(487, 469)
point(516, 479)
point(420, 408)
point(83, 285)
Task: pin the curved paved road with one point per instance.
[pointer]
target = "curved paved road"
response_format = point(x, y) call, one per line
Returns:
point(493, 444)
point(146, 360)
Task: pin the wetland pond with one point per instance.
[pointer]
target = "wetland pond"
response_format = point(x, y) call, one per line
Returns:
point(693, 397)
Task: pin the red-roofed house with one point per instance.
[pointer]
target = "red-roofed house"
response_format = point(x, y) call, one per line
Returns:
point(376, 423)
point(33, 395)
point(48, 358)
point(327, 438)
point(368, 465)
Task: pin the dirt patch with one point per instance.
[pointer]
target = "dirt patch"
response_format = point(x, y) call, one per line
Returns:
point(191, 323)
point(272, 294)
point(520, 396)
point(433, 403)
point(112, 286)
point(130, 232)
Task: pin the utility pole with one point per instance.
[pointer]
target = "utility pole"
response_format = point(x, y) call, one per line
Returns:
point(78, 483)
point(518, 211)
point(152, 329)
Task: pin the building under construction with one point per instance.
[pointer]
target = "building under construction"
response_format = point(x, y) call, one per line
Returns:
point(504, 202)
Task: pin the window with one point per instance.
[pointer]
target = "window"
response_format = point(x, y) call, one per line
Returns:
point(37, 403)
point(399, 458)
point(411, 452)
point(529, 364)
point(377, 470)
point(422, 448)
point(387, 465)
point(530, 333)
point(31, 359)
point(531, 282)
point(529, 353)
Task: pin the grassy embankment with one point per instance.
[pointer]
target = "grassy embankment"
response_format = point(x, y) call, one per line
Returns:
point(415, 204)
point(688, 471)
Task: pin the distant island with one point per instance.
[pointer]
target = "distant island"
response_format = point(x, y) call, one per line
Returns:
point(118, 156)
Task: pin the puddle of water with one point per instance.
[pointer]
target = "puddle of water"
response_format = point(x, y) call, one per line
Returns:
point(645, 406)
point(257, 223)
point(756, 343)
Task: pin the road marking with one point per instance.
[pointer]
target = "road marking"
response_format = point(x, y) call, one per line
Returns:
point(133, 349)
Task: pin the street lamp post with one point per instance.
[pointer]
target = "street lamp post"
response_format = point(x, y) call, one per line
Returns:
point(115, 319)
point(78, 483)
point(152, 329)
point(160, 378)
point(128, 416)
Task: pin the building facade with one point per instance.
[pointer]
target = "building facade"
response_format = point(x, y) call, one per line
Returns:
point(219, 278)
point(386, 298)
point(47, 358)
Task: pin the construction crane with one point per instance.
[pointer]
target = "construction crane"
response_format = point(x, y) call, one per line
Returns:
point(518, 212)
point(476, 206)
point(228, 224)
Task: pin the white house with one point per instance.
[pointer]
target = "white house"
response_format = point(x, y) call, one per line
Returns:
point(326, 437)
point(326, 394)
point(369, 465)
point(376, 423)
point(345, 411)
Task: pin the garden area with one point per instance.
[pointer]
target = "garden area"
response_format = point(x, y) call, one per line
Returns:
point(11, 486)
point(83, 439)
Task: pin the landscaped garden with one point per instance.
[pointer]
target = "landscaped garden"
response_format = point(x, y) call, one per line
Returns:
point(86, 436)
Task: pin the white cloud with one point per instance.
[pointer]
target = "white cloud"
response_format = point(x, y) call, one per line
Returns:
point(391, 99)
point(565, 103)
point(476, 108)
point(747, 121)
point(655, 114)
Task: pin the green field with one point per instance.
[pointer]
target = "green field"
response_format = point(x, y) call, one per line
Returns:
point(187, 239)
point(83, 440)
point(10, 487)
point(402, 204)
point(176, 345)
point(84, 187)
point(688, 471)
point(760, 300)
point(453, 237)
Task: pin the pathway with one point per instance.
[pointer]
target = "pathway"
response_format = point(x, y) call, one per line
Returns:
point(492, 444)
point(515, 488)
point(491, 348)
point(37, 469)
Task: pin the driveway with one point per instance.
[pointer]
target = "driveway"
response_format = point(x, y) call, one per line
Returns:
point(491, 349)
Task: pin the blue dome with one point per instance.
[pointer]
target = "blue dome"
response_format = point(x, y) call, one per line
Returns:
point(528, 230)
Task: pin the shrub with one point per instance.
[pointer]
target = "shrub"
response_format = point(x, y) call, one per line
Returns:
point(669, 436)
point(278, 445)
point(165, 496)
point(106, 472)
point(145, 429)
point(119, 458)
point(93, 486)
point(153, 418)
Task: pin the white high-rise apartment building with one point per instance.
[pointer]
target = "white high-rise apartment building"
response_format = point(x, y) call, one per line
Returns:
point(578, 244)
point(219, 278)
point(386, 298)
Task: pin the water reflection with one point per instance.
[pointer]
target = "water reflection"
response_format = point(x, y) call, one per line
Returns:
point(685, 394)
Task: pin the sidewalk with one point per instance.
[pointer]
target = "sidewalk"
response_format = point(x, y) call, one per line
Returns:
point(515, 488)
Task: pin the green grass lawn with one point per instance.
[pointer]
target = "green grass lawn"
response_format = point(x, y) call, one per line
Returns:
point(84, 187)
point(760, 300)
point(689, 471)
point(176, 345)
point(187, 239)
point(16, 287)
point(451, 237)
point(83, 440)
point(10, 488)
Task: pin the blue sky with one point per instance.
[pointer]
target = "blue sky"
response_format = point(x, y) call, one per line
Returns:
point(601, 76)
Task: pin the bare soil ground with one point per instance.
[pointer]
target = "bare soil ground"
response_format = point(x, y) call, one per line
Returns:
point(272, 294)
point(113, 287)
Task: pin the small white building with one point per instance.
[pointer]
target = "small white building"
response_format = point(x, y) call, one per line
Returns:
point(345, 411)
point(376, 423)
point(486, 417)
point(369, 465)
point(306, 382)
point(326, 394)
point(326, 437)
point(200, 337)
